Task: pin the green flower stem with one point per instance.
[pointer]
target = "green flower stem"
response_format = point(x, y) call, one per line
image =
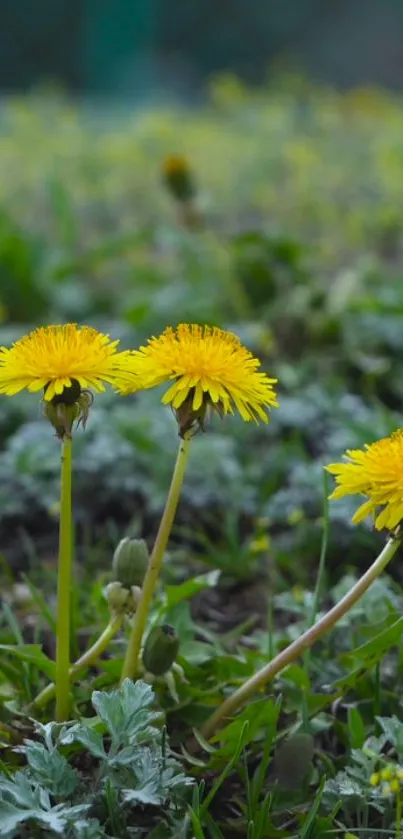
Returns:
point(86, 660)
point(130, 664)
point(233, 703)
point(64, 586)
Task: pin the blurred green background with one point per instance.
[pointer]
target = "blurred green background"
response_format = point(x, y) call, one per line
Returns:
point(138, 47)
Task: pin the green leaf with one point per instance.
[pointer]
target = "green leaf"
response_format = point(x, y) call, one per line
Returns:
point(33, 654)
point(50, 769)
point(392, 727)
point(22, 801)
point(11, 817)
point(260, 715)
point(356, 727)
point(155, 779)
point(373, 650)
point(40, 601)
point(186, 590)
point(311, 819)
point(345, 787)
point(55, 819)
point(297, 674)
point(126, 712)
point(196, 826)
point(180, 618)
point(147, 795)
point(89, 738)
point(88, 829)
point(196, 652)
point(239, 746)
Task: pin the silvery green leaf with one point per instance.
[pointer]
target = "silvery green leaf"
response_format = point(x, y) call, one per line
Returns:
point(88, 829)
point(126, 711)
point(50, 769)
point(88, 737)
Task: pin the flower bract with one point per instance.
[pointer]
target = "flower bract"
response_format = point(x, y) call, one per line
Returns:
point(375, 472)
point(206, 367)
point(55, 358)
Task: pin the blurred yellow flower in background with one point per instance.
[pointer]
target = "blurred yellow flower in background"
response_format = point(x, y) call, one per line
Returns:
point(178, 177)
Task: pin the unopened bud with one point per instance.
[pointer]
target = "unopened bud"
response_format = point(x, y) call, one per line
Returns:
point(122, 600)
point(130, 562)
point(62, 417)
point(68, 408)
point(188, 418)
point(160, 649)
point(116, 596)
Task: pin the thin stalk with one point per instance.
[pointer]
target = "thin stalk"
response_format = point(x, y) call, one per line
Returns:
point(84, 662)
point(232, 704)
point(64, 586)
point(132, 654)
point(318, 590)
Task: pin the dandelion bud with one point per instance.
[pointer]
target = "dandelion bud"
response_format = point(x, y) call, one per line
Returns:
point(160, 649)
point(189, 419)
point(122, 600)
point(68, 407)
point(130, 562)
point(117, 597)
point(178, 178)
point(62, 416)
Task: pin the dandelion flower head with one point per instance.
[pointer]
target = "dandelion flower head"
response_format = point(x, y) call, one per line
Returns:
point(207, 367)
point(375, 472)
point(55, 357)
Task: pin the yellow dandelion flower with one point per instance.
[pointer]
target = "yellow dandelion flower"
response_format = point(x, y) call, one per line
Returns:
point(54, 357)
point(64, 361)
point(377, 473)
point(208, 368)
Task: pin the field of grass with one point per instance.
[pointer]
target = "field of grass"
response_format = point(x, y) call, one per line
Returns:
point(299, 251)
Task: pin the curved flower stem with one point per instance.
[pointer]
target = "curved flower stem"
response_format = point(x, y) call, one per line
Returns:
point(86, 660)
point(64, 586)
point(131, 661)
point(232, 704)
